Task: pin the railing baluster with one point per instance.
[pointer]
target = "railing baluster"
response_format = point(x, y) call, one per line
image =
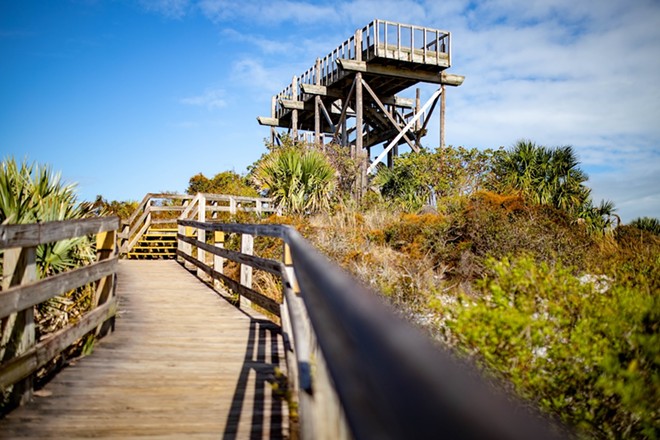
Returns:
point(247, 248)
point(18, 330)
point(106, 244)
point(218, 261)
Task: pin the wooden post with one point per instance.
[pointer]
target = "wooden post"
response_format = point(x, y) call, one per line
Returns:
point(214, 212)
point(443, 104)
point(18, 330)
point(358, 114)
point(105, 287)
point(201, 236)
point(218, 261)
point(288, 267)
point(317, 105)
point(294, 112)
point(273, 103)
point(418, 105)
point(344, 132)
point(247, 247)
point(180, 245)
point(125, 231)
point(359, 141)
point(186, 248)
point(232, 206)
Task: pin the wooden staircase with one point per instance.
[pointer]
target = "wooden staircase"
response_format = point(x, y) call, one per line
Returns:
point(155, 244)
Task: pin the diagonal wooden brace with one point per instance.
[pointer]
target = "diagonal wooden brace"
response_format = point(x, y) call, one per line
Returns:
point(389, 117)
point(428, 103)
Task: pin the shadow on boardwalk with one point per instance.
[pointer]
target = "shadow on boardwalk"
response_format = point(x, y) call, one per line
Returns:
point(263, 336)
point(182, 363)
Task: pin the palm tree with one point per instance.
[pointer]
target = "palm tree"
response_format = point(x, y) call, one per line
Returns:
point(31, 193)
point(299, 180)
point(601, 219)
point(545, 176)
point(649, 224)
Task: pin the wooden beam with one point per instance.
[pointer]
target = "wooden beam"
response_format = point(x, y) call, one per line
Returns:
point(252, 295)
point(24, 365)
point(312, 89)
point(292, 105)
point(449, 79)
point(17, 334)
point(36, 234)
point(270, 266)
point(327, 116)
point(272, 122)
point(398, 137)
point(19, 298)
point(398, 101)
point(442, 117)
point(359, 119)
point(342, 116)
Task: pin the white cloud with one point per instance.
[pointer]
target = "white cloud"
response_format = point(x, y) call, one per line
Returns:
point(559, 72)
point(212, 99)
point(564, 73)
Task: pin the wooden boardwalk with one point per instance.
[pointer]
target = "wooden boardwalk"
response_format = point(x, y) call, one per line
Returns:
point(183, 363)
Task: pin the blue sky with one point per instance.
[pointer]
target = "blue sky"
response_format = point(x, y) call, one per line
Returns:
point(128, 97)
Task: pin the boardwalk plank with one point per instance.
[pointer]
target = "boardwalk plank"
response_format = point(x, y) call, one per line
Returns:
point(183, 363)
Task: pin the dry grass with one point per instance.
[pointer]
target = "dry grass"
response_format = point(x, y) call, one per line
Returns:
point(355, 241)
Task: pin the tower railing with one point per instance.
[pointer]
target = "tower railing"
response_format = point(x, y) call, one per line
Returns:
point(379, 39)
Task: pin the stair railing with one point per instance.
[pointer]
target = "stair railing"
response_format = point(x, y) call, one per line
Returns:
point(189, 207)
point(142, 218)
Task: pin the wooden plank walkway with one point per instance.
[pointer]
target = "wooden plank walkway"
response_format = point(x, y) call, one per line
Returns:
point(182, 363)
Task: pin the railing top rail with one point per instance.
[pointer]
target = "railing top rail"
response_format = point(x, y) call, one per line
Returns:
point(39, 233)
point(391, 380)
point(276, 231)
point(349, 50)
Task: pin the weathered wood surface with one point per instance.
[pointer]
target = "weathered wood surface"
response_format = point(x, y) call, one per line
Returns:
point(183, 363)
point(36, 233)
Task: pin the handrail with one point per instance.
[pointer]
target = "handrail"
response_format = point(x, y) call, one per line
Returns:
point(358, 370)
point(366, 44)
point(20, 355)
point(141, 219)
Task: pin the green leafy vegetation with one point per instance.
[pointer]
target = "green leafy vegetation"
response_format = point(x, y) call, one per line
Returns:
point(522, 273)
point(298, 179)
point(122, 209)
point(427, 177)
point(226, 182)
point(499, 254)
point(585, 348)
point(649, 224)
point(31, 193)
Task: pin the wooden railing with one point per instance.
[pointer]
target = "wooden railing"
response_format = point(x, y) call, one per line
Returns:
point(378, 39)
point(20, 355)
point(355, 368)
point(171, 207)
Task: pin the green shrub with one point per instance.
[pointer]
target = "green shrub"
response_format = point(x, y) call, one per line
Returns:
point(649, 224)
point(587, 350)
point(299, 180)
